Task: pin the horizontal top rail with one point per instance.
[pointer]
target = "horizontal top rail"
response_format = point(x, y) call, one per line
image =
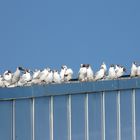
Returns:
point(74, 87)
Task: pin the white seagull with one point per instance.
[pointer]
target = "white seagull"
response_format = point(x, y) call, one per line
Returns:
point(62, 72)
point(16, 75)
point(82, 74)
point(49, 78)
point(36, 77)
point(90, 74)
point(120, 71)
point(36, 74)
point(56, 77)
point(133, 70)
point(100, 74)
point(111, 72)
point(44, 74)
point(25, 78)
point(7, 76)
point(68, 74)
point(105, 67)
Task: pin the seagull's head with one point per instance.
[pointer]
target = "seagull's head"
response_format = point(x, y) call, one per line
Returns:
point(21, 68)
point(134, 63)
point(112, 65)
point(63, 67)
point(9, 71)
point(87, 65)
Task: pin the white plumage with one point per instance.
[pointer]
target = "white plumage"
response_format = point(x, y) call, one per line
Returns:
point(90, 74)
point(7, 76)
point(62, 72)
point(16, 75)
point(100, 74)
point(104, 67)
point(25, 78)
point(44, 74)
point(68, 74)
point(133, 70)
point(82, 75)
point(56, 77)
point(49, 78)
point(111, 72)
point(120, 72)
point(36, 74)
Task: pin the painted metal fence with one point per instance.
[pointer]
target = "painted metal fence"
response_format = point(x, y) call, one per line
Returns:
point(103, 110)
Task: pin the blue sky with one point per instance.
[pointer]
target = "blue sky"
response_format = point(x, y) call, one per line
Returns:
point(41, 33)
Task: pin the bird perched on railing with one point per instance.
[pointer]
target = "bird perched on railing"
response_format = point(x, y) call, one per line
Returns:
point(82, 74)
point(100, 74)
point(7, 76)
point(49, 78)
point(36, 77)
point(62, 72)
point(112, 72)
point(43, 74)
point(85, 73)
point(66, 73)
point(133, 70)
point(104, 67)
point(25, 79)
point(120, 71)
point(90, 73)
point(56, 77)
point(16, 75)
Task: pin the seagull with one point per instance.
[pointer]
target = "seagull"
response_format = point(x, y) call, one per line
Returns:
point(25, 78)
point(90, 74)
point(16, 75)
point(49, 78)
point(68, 74)
point(100, 74)
point(7, 76)
point(36, 74)
point(133, 70)
point(105, 67)
point(120, 71)
point(82, 74)
point(56, 77)
point(117, 67)
point(36, 77)
point(112, 72)
point(62, 72)
point(44, 74)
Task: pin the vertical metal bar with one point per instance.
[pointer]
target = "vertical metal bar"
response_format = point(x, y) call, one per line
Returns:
point(51, 118)
point(103, 115)
point(133, 116)
point(118, 117)
point(69, 117)
point(33, 118)
point(86, 119)
point(13, 121)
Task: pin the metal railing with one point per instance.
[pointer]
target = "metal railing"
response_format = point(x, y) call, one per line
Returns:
point(103, 110)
